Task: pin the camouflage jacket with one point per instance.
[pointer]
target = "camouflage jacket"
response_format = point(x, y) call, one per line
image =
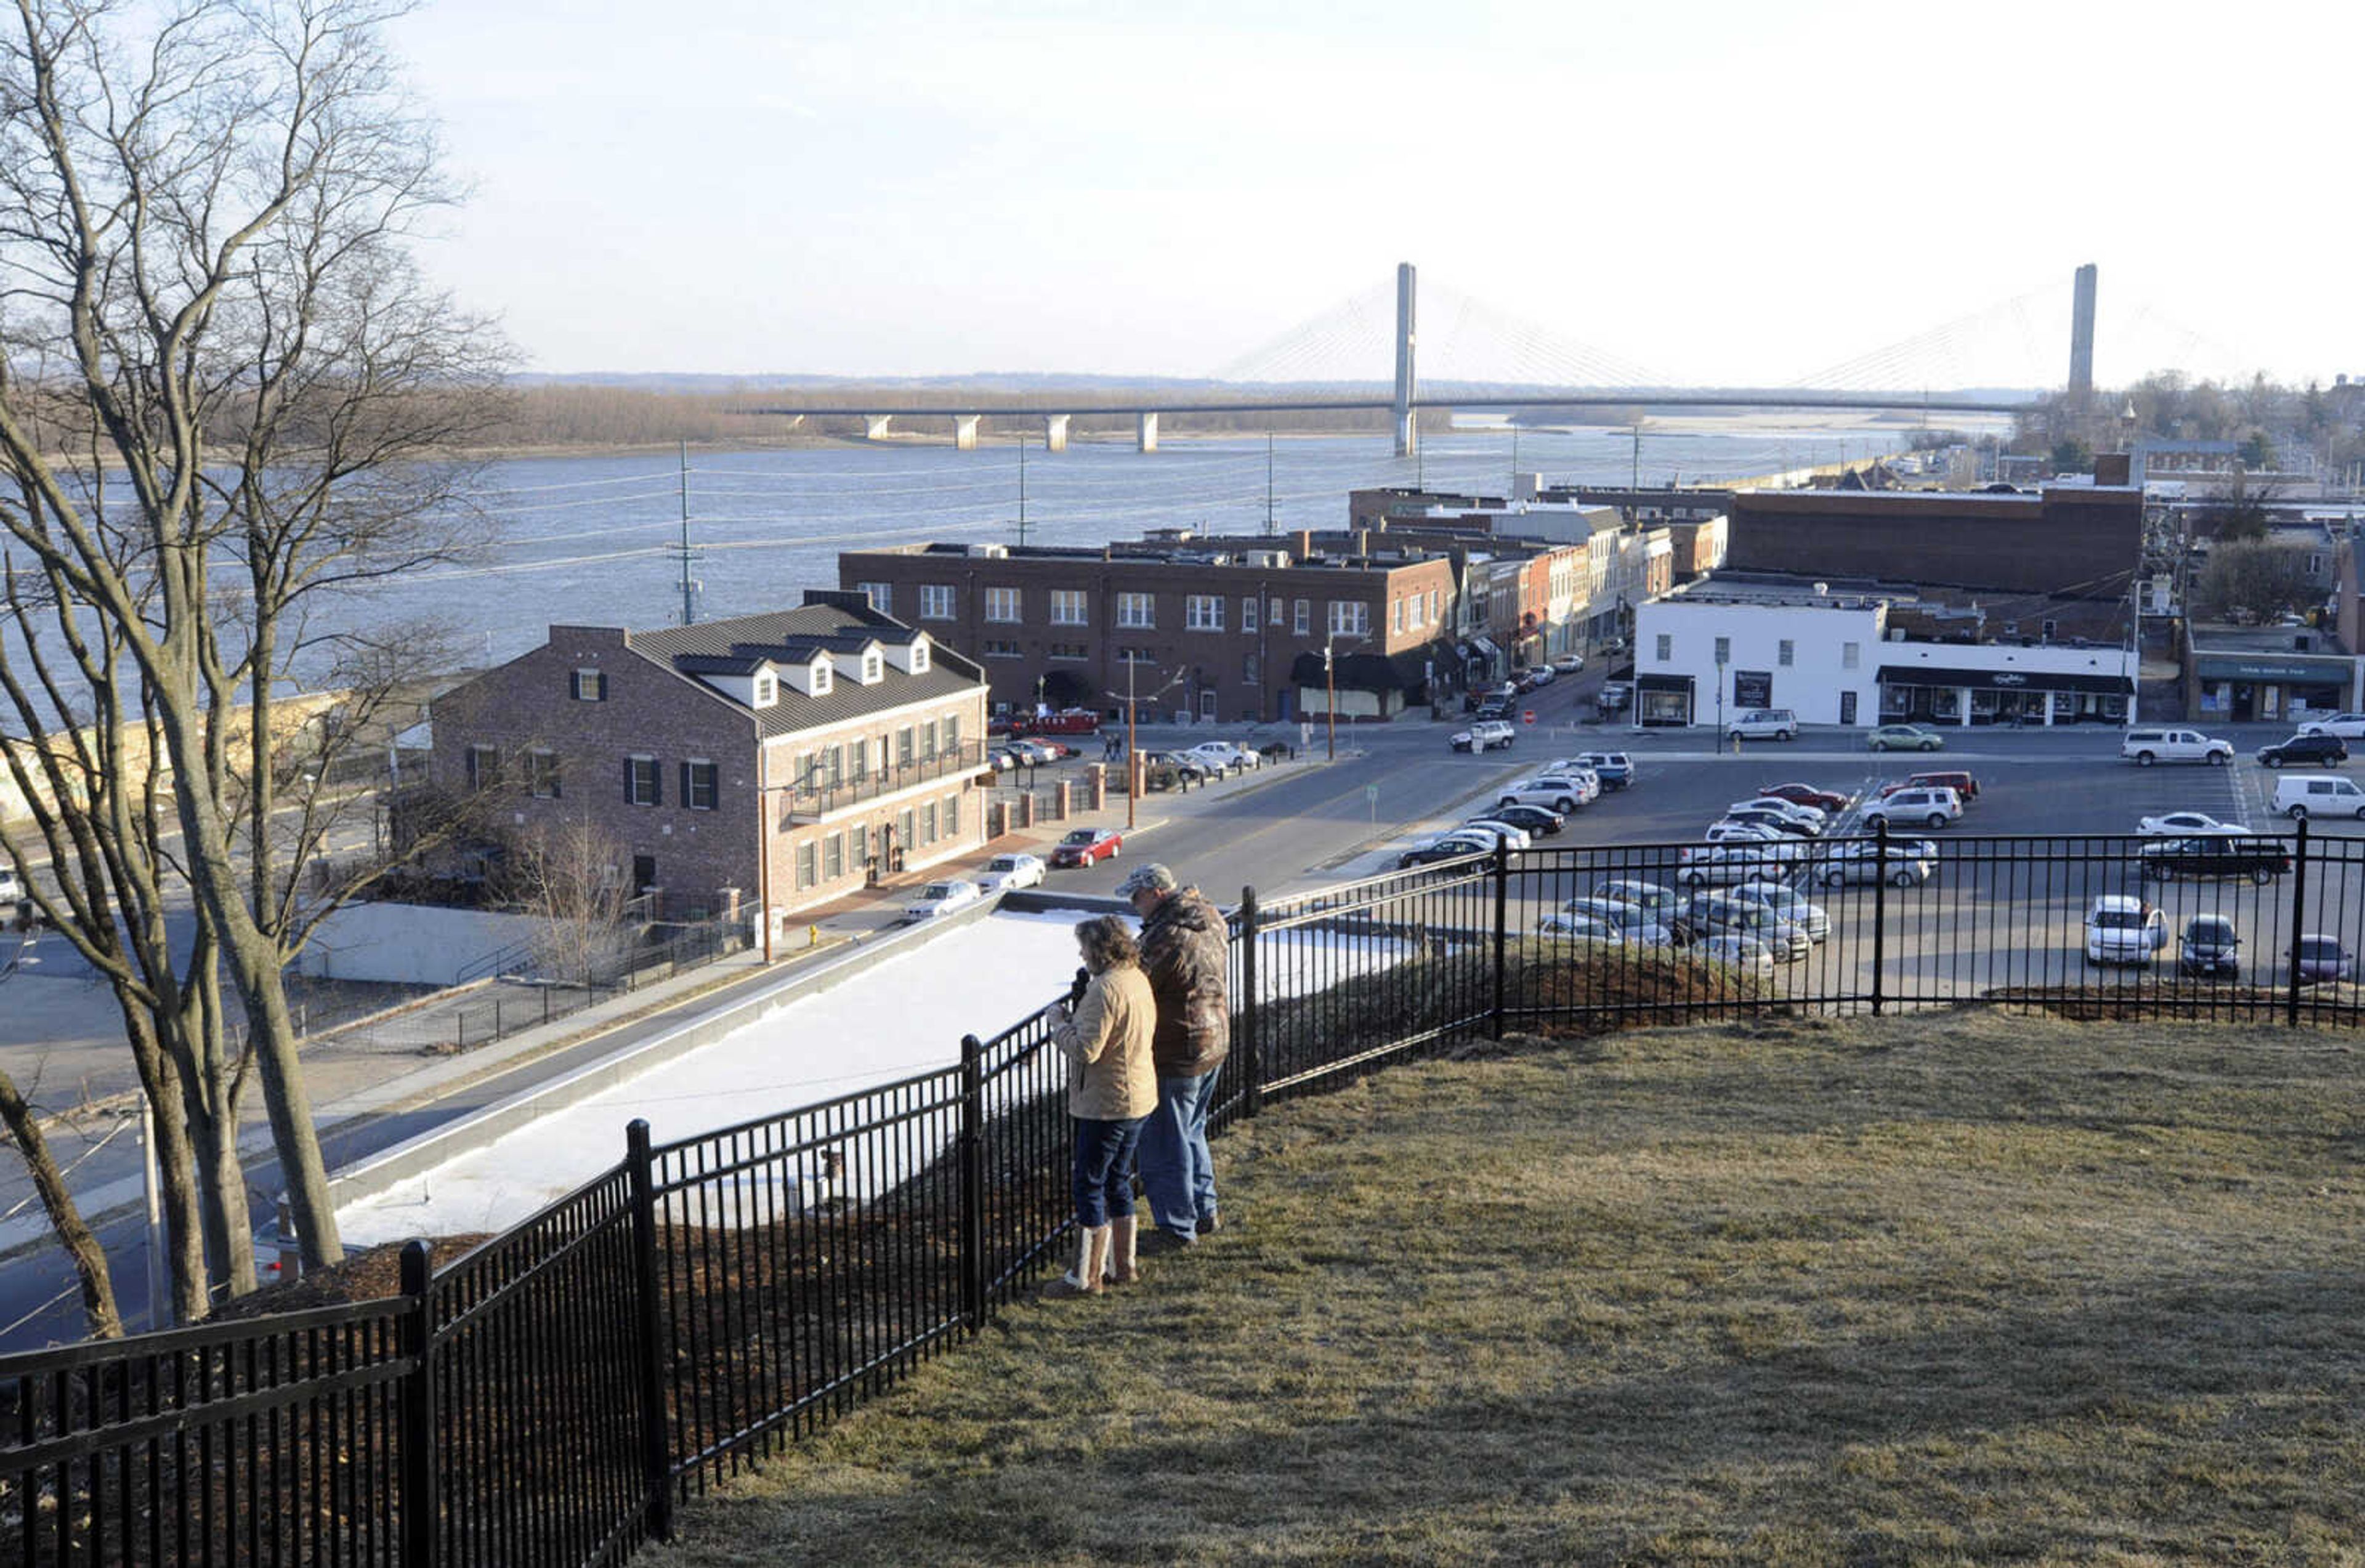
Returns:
point(1186, 949)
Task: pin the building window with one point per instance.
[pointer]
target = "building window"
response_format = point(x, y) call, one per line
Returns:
point(542, 774)
point(697, 784)
point(832, 857)
point(1784, 652)
point(929, 822)
point(484, 767)
point(903, 744)
point(1305, 623)
point(1398, 618)
point(920, 657)
point(643, 782)
point(768, 690)
point(831, 762)
point(903, 828)
point(1279, 608)
point(1349, 618)
point(857, 841)
point(1251, 674)
point(1666, 648)
point(1068, 608)
point(1136, 611)
point(928, 740)
point(1436, 607)
point(952, 816)
point(1203, 613)
point(936, 601)
point(1248, 614)
point(857, 761)
point(2049, 628)
point(952, 732)
point(870, 668)
point(1069, 651)
point(1724, 650)
point(1850, 652)
point(590, 685)
point(1002, 604)
point(880, 595)
point(818, 677)
point(998, 648)
point(805, 865)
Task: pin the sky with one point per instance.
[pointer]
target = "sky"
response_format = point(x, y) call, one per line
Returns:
point(1716, 194)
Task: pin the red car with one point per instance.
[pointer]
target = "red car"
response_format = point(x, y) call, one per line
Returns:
point(1086, 846)
point(1823, 801)
point(1960, 783)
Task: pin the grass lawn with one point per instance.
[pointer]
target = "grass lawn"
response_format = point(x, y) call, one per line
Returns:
point(1961, 1288)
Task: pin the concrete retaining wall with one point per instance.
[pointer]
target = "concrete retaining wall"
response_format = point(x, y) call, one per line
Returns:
point(417, 943)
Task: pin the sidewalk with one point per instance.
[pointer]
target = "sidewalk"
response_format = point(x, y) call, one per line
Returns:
point(355, 1081)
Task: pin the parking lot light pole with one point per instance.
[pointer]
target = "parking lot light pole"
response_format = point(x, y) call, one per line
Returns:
point(1330, 693)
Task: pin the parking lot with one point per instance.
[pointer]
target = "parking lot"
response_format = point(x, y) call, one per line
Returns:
point(2053, 829)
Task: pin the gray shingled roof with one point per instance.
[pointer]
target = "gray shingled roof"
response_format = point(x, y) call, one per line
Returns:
point(735, 647)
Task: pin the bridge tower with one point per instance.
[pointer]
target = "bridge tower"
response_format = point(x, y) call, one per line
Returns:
point(2082, 340)
point(1407, 430)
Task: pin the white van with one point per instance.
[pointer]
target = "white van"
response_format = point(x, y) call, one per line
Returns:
point(2145, 747)
point(2301, 795)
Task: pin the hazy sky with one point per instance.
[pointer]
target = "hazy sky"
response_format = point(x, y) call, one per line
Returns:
point(1735, 194)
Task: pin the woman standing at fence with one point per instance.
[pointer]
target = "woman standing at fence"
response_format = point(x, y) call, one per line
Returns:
point(1112, 1086)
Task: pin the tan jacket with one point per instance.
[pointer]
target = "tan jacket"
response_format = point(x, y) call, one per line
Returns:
point(1110, 1076)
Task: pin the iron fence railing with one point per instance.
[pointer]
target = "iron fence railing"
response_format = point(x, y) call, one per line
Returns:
point(550, 1395)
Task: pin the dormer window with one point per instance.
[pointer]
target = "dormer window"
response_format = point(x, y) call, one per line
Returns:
point(870, 668)
point(768, 690)
point(919, 658)
point(822, 676)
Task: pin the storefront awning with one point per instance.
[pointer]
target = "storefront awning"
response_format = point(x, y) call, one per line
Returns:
point(2296, 671)
point(2004, 679)
point(1662, 683)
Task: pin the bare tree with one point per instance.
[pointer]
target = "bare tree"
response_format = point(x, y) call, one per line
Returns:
point(2262, 579)
point(205, 293)
point(570, 877)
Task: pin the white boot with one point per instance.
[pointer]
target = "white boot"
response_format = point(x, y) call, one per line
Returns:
point(1084, 1279)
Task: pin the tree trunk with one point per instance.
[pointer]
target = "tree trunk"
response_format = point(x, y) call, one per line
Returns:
point(89, 1256)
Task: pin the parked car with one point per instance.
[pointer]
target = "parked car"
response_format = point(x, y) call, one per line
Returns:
point(2348, 726)
point(2320, 749)
point(1498, 709)
point(1224, 756)
point(1828, 802)
point(1905, 737)
point(1615, 696)
point(1539, 822)
point(1764, 723)
point(1004, 872)
point(2121, 929)
point(1655, 899)
point(1780, 845)
point(2215, 854)
point(2211, 948)
point(2303, 795)
point(1806, 817)
point(2144, 747)
point(1569, 664)
point(1484, 736)
point(1788, 902)
point(1907, 863)
point(1954, 778)
point(1448, 846)
point(2184, 825)
point(1087, 845)
point(1781, 822)
point(1529, 679)
point(1560, 792)
point(939, 899)
point(1933, 807)
point(1615, 768)
point(1002, 759)
point(1584, 928)
point(1709, 863)
point(1739, 950)
point(2316, 957)
point(1648, 926)
point(1494, 827)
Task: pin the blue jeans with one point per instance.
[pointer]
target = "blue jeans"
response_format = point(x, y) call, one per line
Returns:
point(1176, 1168)
point(1104, 1174)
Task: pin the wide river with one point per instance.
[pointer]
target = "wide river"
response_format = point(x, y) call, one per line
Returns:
point(597, 540)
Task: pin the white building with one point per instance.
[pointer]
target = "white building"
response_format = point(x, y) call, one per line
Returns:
point(1715, 647)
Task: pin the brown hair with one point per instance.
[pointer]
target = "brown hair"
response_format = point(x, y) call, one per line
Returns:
point(1108, 943)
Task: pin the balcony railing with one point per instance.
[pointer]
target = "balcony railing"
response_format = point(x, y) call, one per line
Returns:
point(810, 800)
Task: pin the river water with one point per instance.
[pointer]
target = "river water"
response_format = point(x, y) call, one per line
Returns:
point(597, 540)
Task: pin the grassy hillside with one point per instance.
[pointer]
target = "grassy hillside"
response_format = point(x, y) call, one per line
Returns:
point(1954, 1289)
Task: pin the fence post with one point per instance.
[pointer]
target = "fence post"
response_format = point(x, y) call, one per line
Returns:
point(657, 1464)
point(1251, 1052)
point(422, 1509)
point(2298, 914)
point(1879, 906)
point(972, 1182)
point(1502, 926)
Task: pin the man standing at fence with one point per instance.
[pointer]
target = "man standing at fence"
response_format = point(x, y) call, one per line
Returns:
point(1186, 951)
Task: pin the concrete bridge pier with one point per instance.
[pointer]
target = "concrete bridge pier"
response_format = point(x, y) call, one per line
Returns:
point(874, 426)
point(1147, 432)
point(1055, 432)
point(965, 432)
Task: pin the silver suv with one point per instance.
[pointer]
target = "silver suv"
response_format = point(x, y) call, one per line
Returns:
point(1764, 723)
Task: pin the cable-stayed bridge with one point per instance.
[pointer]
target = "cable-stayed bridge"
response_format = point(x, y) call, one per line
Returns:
point(1316, 367)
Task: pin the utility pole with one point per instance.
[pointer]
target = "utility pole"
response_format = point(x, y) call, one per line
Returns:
point(1269, 524)
point(1022, 491)
point(688, 584)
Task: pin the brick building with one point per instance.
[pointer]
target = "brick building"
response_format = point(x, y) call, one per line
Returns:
point(2070, 541)
point(780, 758)
point(1220, 629)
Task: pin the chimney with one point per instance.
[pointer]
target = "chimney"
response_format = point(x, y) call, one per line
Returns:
point(1305, 544)
point(2113, 469)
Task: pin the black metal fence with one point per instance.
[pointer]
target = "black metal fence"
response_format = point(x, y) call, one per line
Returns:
point(550, 1395)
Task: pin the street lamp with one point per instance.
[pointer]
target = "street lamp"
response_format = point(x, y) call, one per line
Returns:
point(1719, 705)
point(1133, 772)
point(1330, 694)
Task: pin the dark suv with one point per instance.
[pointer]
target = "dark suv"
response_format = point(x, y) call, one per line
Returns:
point(2216, 855)
point(2309, 751)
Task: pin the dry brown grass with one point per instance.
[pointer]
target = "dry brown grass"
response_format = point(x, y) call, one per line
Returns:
point(1963, 1289)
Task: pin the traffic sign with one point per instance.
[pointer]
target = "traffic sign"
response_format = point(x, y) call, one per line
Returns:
point(1528, 716)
